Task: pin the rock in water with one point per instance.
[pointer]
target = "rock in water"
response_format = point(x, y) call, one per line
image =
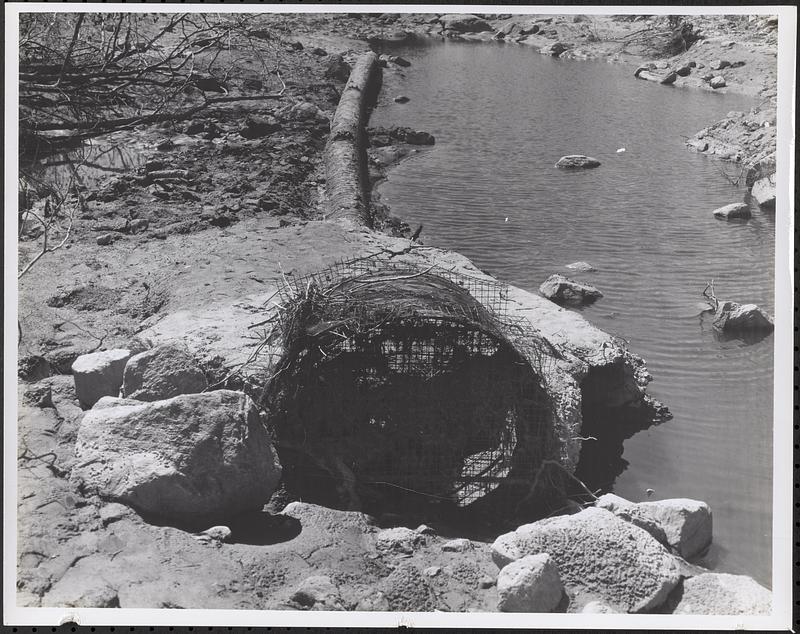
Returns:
point(163, 372)
point(188, 456)
point(669, 78)
point(561, 289)
point(553, 50)
point(683, 525)
point(599, 555)
point(716, 593)
point(99, 374)
point(734, 210)
point(583, 267)
point(530, 584)
point(572, 161)
point(687, 524)
point(764, 191)
point(733, 317)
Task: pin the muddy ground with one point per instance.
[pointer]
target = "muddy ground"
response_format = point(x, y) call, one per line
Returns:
point(247, 210)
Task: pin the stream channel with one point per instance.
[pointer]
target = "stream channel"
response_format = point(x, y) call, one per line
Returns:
point(502, 116)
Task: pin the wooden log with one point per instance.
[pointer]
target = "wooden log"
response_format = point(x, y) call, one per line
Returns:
point(346, 153)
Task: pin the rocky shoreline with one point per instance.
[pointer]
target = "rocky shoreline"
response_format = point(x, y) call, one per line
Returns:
point(82, 544)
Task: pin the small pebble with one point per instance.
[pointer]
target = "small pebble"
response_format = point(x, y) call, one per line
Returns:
point(105, 239)
point(457, 545)
point(401, 99)
point(485, 583)
point(432, 571)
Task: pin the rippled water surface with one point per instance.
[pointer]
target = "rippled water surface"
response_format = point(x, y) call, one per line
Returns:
point(502, 115)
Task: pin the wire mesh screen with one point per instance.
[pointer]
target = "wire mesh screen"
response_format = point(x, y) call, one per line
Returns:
point(408, 380)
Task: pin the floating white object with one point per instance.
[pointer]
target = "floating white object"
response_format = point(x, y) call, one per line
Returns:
point(506, 219)
point(649, 492)
point(621, 150)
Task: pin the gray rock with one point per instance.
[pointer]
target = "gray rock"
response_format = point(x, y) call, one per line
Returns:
point(105, 239)
point(764, 191)
point(561, 289)
point(398, 540)
point(138, 224)
point(464, 23)
point(406, 589)
point(669, 78)
point(337, 68)
point(319, 593)
point(554, 50)
point(188, 456)
point(113, 512)
point(583, 267)
point(687, 524)
point(716, 593)
point(373, 602)
point(683, 71)
point(33, 368)
point(459, 545)
point(162, 372)
point(256, 126)
point(217, 533)
point(719, 64)
point(631, 512)
point(573, 161)
point(734, 210)
point(99, 374)
point(401, 99)
point(598, 554)
point(733, 317)
point(718, 81)
point(530, 584)
point(38, 395)
point(597, 607)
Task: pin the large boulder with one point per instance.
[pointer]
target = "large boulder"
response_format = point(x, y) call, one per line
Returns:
point(764, 191)
point(598, 556)
point(530, 584)
point(561, 289)
point(683, 525)
point(733, 317)
point(464, 23)
point(577, 161)
point(717, 593)
point(687, 524)
point(732, 211)
point(162, 372)
point(99, 374)
point(194, 455)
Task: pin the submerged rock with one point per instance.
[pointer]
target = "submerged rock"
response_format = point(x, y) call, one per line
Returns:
point(597, 555)
point(717, 593)
point(572, 161)
point(583, 267)
point(733, 317)
point(530, 584)
point(99, 374)
point(734, 210)
point(561, 289)
point(192, 455)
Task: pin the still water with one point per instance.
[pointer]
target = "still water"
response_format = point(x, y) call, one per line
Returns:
point(502, 116)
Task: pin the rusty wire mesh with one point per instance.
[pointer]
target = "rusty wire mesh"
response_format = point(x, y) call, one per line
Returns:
point(411, 379)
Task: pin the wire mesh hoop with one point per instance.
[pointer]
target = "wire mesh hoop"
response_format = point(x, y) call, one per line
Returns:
point(411, 378)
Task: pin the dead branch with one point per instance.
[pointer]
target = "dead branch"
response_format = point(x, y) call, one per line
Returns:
point(708, 293)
